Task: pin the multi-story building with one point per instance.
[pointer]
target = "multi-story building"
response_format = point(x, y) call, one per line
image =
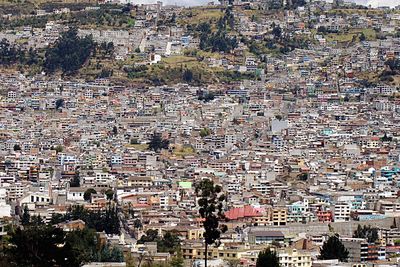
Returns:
point(279, 216)
point(341, 212)
point(265, 237)
point(292, 257)
point(357, 247)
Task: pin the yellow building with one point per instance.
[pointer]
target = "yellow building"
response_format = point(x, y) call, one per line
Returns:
point(279, 216)
point(195, 234)
point(287, 256)
point(261, 221)
point(197, 251)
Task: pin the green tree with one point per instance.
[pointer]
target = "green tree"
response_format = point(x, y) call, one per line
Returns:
point(393, 64)
point(26, 217)
point(116, 255)
point(362, 37)
point(105, 220)
point(110, 254)
point(17, 147)
point(303, 176)
point(204, 28)
point(115, 130)
point(105, 73)
point(59, 149)
point(322, 29)
point(277, 32)
point(111, 221)
point(59, 103)
point(177, 261)
point(33, 57)
point(44, 245)
point(75, 181)
point(368, 232)
point(80, 246)
point(333, 248)
point(217, 41)
point(36, 220)
point(69, 52)
point(57, 218)
point(36, 246)
point(88, 194)
point(109, 194)
point(137, 224)
point(206, 97)
point(8, 53)
point(150, 236)
point(385, 138)
point(169, 243)
point(187, 75)
point(211, 208)
point(267, 258)
point(77, 212)
point(109, 48)
point(157, 143)
point(205, 132)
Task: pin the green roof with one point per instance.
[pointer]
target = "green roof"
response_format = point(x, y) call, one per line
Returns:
point(185, 185)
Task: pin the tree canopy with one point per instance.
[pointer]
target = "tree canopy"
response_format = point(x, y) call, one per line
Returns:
point(69, 52)
point(75, 181)
point(205, 132)
point(211, 207)
point(157, 143)
point(26, 217)
point(88, 194)
point(45, 245)
point(267, 258)
point(59, 103)
point(333, 248)
point(170, 242)
point(217, 42)
point(103, 220)
point(8, 53)
point(368, 232)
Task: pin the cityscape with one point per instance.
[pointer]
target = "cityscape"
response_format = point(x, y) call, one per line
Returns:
point(229, 133)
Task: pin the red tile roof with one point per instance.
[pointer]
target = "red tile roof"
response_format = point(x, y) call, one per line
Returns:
point(242, 212)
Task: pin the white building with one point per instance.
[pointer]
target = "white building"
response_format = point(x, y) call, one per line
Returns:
point(293, 257)
point(341, 212)
point(75, 194)
point(5, 209)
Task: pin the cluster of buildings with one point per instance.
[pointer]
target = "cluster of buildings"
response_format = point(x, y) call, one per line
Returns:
point(309, 148)
point(293, 166)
